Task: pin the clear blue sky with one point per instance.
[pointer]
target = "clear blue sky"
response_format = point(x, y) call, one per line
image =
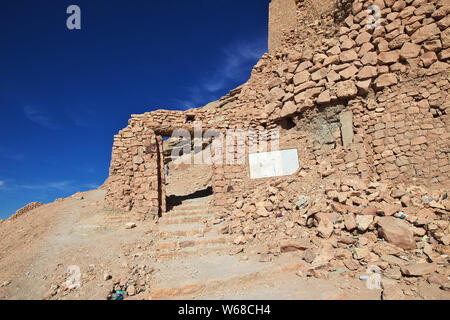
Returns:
point(64, 94)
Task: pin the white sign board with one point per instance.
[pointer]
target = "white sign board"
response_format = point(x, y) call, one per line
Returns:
point(273, 164)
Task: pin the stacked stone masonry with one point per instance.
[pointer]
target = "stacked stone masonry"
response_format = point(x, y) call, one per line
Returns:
point(381, 93)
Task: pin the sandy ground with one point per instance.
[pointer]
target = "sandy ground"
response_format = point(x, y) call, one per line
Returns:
point(38, 247)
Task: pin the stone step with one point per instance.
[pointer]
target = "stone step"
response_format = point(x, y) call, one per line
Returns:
point(183, 213)
point(182, 220)
point(189, 207)
point(212, 285)
point(181, 227)
point(118, 220)
point(196, 201)
point(163, 255)
point(187, 242)
point(183, 233)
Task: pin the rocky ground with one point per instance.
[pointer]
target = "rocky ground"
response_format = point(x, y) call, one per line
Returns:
point(191, 253)
point(349, 225)
point(39, 246)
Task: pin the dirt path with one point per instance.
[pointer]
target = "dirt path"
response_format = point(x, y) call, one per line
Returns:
point(73, 232)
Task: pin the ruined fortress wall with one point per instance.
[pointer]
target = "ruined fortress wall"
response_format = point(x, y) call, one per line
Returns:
point(375, 72)
point(136, 176)
point(409, 138)
point(360, 62)
point(282, 18)
point(382, 93)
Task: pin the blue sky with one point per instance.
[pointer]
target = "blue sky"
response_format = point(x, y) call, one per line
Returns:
point(65, 93)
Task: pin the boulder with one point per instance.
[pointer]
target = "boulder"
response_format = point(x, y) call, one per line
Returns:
point(370, 210)
point(428, 58)
point(276, 94)
point(363, 222)
point(309, 255)
point(348, 56)
point(392, 260)
point(364, 86)
point(360, 253)
point(384, 247)
point(301, 77)
point(294, 244)
point(388, 57)
point(418, 269)
point(348, 72)
point(397, 232)
point(393, 293)
point(325, 229)
point(397, 193)
point(370, 58)
point(262, 211)
point(324, 97)
point(302, 202)
point(349, 221)
point(367, 72)
point(131, 290)
point(239, 240)
point(325, 223)
point(130, 225)
point(269, 108)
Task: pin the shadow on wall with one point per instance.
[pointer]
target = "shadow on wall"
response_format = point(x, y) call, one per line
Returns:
point(173, 200)
point(322, 124)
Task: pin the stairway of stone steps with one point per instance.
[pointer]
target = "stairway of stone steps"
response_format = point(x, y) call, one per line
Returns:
point(192, 256)
point(117, 219)
point(185, 230)
point(192, 261)
point(120, 219)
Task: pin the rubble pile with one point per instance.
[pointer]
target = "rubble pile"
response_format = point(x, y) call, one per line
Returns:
point(27, 208)
point(347, 224)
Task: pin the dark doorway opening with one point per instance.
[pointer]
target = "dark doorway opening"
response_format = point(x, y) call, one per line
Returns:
point(184, 179)
point(175, 200)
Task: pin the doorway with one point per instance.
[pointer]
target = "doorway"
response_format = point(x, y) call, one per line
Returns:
point(185, 181)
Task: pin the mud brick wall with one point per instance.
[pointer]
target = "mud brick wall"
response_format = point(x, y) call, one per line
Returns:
point(282, 19)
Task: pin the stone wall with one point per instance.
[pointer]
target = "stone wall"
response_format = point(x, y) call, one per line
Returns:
point(380, 93)
point(134, 176)
point(282, 18)
point(409, 138)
